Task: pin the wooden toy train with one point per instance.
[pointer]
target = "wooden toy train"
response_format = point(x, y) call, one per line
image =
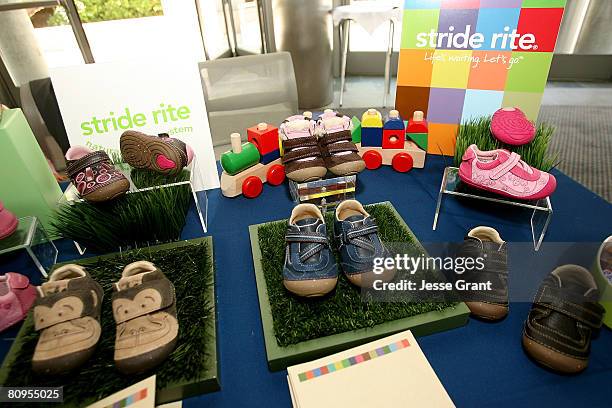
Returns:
point(247, 166)
point(400, 144)
point(394, 142)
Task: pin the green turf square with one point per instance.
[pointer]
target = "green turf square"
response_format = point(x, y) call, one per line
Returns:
point(529, 72)
point(191, 369)
point(298, 330)
point(544, 3)
point(415, 22)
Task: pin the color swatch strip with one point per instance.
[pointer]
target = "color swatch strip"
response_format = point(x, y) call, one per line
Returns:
point(129, 400)
point(351, 361)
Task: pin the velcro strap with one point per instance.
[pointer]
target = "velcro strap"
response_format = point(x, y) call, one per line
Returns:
point(341, 136)
point(507, 166)
point(342, 147)
point(64, 306)
point(575, 306)
point(75, 166)
point(143, 299)
point(307, 141)
point(300, 154)
point(361, 231)
point(306, 237)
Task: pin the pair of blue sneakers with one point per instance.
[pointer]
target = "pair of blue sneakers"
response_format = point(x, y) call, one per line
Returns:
point(310, 267)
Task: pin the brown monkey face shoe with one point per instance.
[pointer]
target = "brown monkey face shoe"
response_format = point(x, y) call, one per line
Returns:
point(67, 315)
point(338, 150)
point(144, 307)
point(94, 176)
point(564, 314)
point(302, 159)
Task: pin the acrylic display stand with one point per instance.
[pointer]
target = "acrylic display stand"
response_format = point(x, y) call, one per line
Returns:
point(32, 237)
point(540, 217)
point(324, 193)
point(195, 183)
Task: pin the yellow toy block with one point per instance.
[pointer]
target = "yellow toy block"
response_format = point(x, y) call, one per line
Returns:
point(371, 119)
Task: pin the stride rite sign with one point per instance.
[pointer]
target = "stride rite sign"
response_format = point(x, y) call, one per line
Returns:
point(461, 59)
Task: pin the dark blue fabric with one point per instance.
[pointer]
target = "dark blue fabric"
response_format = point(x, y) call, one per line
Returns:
point(481, 364)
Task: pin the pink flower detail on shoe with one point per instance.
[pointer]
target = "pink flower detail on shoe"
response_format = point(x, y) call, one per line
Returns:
point(503, 172)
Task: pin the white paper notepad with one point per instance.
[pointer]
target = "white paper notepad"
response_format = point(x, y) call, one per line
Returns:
point(390, 372)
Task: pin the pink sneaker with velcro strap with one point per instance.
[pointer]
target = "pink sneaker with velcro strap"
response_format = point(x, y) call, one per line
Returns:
point(16, 298)
point(503, 172)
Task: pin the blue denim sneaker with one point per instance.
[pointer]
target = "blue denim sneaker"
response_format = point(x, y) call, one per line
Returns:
point(310, 267)
point(357, 235)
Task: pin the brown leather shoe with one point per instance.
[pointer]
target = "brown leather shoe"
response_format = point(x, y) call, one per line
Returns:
point(163, 154)
point(94, 176)
point(562, 320)
point(340, 154)
point(302, 159)
point(144, 307)
point(67, 314)
point(335, 141)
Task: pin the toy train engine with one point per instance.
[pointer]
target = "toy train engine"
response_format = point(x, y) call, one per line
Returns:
point(386, 142)
point(248, 165)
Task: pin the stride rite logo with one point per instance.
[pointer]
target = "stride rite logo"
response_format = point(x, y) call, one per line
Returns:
point(506, 40)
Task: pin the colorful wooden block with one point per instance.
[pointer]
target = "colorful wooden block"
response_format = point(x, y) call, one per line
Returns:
point(419, 138)
point(270, 157)
point(371, 119)
point(417, 124)
point(264, 136)
point(393, 138)
point(356, 132)
point(394, 121)
point(371, 136)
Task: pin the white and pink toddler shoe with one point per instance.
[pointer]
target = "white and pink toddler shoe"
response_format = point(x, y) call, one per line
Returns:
point(504, 173)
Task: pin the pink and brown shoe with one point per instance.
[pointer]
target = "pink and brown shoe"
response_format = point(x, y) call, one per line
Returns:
point(503, 172)
point(94, 176)
point(8, 222)
point(162, 153)
point(16, 297)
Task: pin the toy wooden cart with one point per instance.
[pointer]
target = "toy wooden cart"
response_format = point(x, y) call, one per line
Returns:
point(248, 165)
point(392, 143)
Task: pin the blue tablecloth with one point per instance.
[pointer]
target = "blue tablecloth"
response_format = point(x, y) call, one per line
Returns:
point(479, 364)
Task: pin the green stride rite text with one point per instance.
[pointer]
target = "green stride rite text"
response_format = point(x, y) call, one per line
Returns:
point(165, 113)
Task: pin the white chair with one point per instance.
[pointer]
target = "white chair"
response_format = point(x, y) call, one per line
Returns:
point(243, 91)
point(370, 15)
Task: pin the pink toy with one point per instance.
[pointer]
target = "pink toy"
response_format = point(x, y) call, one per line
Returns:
point(16, 298)
point(504, 173)
point(8, 222)
point(510, 126)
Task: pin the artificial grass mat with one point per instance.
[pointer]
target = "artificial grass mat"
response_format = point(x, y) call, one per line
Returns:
point(478, 131)
point(134, 220)
point(190, 268)
point(298, 319)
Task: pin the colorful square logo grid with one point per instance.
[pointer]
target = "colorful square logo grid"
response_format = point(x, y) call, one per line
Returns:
point(461, 59)
point(351, 361)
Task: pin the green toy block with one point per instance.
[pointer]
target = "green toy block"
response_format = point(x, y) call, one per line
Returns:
point(419, 138)
point(356, 132)
point(28, 187)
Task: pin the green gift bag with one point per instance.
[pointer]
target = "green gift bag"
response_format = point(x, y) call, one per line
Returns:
point(27, 186)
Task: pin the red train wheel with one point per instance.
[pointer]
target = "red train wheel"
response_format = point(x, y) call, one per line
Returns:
point(251, 187)
point(372, 159)
point(402, 162)
point(276, 175)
